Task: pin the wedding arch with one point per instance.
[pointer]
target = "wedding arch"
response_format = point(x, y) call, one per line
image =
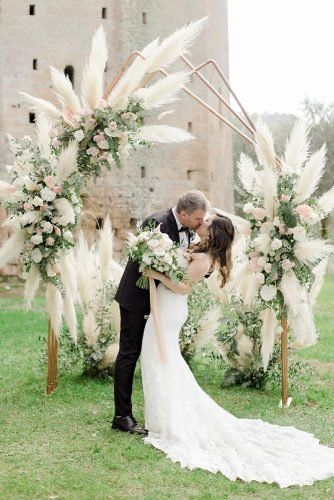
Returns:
point(97, 130)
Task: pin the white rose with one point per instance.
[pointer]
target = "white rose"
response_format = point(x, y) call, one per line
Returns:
point(159, 252)
point(276, 244)
point(50, 241)
point(152, 244)
point(268, 292)
point(36, 239)
point(77, 209)
point(79, 135)
point(276, 222)
point(103, 145)
point(30, 185)
point(261, 261)
point(37, 201)
point(299, 233)
point(36, 255)
point(266, 228)
point(47, 194)
point(167, 258)
point(248, 207)
point(67, 235)
point(146, 260)
point(259, 278)
point(47, 227)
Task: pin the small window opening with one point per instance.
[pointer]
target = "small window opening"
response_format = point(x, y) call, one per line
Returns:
point(69, 71)
point(99, 223)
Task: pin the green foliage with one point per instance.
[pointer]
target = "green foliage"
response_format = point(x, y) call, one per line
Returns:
point(62, 445)
point(199, 302)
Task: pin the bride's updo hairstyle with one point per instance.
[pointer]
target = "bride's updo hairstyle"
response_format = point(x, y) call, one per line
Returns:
point(219, 245)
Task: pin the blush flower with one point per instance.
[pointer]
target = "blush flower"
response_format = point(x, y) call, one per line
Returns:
point(259, 213)
point(268, 292)
point(304, 211)
point(287, 264)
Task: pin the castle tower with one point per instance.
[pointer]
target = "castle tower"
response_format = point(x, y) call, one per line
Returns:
point(40, 33)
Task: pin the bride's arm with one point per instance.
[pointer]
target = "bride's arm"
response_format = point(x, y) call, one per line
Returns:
point(197, 269)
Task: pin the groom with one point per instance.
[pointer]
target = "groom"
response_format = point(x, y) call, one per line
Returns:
point(134, 302)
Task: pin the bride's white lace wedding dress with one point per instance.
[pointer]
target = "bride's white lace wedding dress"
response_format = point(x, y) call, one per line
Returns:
point(186, 424)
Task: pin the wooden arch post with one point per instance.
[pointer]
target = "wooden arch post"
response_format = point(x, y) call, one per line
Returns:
point(52, 359)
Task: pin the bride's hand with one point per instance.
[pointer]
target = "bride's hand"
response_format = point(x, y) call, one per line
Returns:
point(150, 273)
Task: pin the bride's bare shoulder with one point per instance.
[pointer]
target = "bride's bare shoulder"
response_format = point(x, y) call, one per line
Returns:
point(201, 261)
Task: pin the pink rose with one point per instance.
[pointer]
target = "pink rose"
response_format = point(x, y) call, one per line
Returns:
point(259, 213)
point(253, 255)
point(93, 151)
point(285, 197)
point(287, 264)
point(267, 267)
point(305, 211)
point(253, 265)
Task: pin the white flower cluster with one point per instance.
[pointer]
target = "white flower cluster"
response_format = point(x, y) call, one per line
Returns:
point(42, 208)
point(155, 250)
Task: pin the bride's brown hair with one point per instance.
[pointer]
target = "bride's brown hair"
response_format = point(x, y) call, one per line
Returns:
point(219, 245)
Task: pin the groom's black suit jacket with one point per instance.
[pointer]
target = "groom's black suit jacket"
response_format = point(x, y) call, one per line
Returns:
point(129, 295)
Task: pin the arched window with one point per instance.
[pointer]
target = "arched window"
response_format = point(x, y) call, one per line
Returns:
point(69, 71)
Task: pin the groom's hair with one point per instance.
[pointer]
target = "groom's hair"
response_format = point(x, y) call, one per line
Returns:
point(191, 201)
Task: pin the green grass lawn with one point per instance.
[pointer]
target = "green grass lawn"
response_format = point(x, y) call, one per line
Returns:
point(62, 446)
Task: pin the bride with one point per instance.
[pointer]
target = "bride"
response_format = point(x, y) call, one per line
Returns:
point(185, 423)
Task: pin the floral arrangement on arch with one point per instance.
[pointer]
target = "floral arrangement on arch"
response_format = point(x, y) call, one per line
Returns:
point(281, 255)
point(108, 126)
point(43, 206)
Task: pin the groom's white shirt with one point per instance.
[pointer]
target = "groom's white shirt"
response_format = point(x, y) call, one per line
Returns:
point(183, 234)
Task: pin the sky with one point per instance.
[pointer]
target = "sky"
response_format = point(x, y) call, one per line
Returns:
point(281, 51)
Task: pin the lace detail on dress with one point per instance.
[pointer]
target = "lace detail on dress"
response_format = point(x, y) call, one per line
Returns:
point(192, 429)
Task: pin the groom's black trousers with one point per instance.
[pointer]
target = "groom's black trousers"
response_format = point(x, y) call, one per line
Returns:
point(131, 337)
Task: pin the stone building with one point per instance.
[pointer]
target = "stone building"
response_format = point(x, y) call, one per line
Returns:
point(40, 33)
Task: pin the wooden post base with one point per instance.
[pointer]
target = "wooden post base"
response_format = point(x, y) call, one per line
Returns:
point(286, 405)
point(285, 401)
point(52, 360)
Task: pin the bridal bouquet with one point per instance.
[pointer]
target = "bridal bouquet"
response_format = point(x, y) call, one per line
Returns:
point(153, 249)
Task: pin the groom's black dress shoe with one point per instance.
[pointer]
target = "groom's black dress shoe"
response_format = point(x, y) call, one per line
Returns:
point(128, 424)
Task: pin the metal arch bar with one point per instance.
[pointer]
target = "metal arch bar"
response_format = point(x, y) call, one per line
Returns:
point(195, 70)
point(121, 71)
point(221, 74)
point(185, 89)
